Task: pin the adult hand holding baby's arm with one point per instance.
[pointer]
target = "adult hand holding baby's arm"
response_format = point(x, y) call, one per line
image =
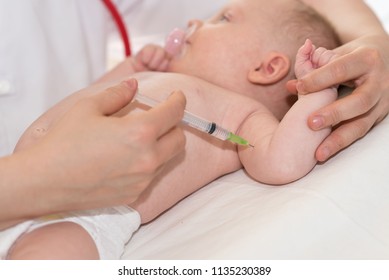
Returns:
point(363, 62)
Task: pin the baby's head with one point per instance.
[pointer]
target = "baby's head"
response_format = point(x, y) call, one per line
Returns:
point(249, 47)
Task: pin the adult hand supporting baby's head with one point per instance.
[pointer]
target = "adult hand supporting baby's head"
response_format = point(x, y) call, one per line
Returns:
point(364, 63)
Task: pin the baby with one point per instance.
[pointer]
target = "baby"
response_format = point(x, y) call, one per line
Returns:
point(234, 68)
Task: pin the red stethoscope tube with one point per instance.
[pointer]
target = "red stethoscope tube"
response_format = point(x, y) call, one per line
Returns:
point(120, 25)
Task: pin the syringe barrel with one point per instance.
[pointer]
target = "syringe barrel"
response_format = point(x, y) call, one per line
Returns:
point(205, 126)
point(191, 120)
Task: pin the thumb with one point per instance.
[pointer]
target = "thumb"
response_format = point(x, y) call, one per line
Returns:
point(291, 86)
point(115, 98)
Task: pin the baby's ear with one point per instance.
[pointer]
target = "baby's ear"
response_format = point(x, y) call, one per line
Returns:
point(273, 68)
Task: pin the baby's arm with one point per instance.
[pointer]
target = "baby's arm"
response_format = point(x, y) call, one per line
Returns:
point(285, 151)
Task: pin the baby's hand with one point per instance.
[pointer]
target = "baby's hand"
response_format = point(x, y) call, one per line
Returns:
point(309, 58)
point(152, 58)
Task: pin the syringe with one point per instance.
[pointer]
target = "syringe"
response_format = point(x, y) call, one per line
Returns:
point(199, 123)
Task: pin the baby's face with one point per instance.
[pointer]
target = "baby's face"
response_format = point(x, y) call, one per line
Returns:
point(223, 48)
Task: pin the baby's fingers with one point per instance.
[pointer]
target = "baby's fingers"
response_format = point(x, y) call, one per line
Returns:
point(340, 70)
point(154, 57)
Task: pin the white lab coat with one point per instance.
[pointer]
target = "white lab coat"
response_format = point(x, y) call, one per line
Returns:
point(51, 48)
point(48, 49)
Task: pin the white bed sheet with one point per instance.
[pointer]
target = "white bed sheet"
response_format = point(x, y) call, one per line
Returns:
point(338, 211)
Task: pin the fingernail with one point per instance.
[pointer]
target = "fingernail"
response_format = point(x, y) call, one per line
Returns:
point(131, 83)
point(317, 122)
point(300, 87)
point(175, 92)
point(325, 153)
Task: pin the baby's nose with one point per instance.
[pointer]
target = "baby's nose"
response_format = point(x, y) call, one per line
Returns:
point(194, 22)
point(193, 25)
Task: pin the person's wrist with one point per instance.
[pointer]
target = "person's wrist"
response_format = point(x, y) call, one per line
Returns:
point(39, 192)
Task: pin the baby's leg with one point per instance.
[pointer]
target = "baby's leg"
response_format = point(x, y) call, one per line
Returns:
point(63, 240)
point(309, 58)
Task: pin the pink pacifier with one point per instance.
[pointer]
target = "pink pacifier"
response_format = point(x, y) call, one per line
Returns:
point(176, 40)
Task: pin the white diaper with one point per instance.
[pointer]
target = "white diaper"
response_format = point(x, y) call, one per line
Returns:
point(110, 228)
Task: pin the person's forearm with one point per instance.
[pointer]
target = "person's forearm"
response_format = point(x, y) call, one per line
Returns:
point(21, 193)
point(8, 216)
point(350, 18)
